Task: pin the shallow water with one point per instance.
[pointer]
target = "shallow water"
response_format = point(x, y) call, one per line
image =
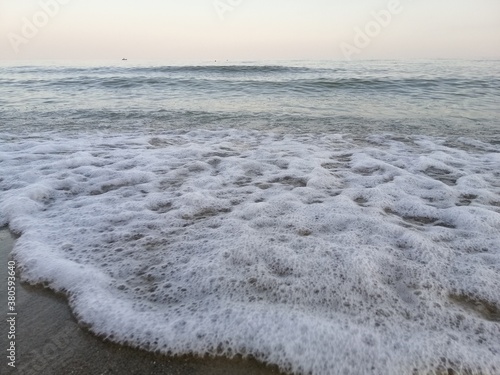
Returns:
point(317, 244)
point(444, 97)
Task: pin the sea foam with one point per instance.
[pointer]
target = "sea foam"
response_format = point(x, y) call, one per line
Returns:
point(322, 255)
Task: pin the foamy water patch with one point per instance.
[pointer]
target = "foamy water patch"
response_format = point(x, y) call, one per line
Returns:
point(322, 255)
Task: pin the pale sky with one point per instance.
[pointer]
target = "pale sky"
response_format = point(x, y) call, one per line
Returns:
point(248, 29)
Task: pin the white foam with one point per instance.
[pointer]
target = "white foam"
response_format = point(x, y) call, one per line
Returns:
point(322, 255)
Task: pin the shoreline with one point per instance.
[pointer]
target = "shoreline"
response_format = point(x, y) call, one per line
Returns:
point(50, 341)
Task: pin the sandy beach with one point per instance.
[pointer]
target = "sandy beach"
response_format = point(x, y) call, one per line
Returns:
point(49, 341)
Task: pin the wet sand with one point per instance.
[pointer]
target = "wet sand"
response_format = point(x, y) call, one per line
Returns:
point(49, 341)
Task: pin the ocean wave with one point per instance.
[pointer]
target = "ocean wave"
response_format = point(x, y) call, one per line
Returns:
point(223, 69)
point(273, 83)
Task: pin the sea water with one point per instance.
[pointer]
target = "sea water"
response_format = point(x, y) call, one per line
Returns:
point(326, 217)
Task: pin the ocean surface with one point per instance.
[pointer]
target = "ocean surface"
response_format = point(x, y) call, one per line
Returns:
point(326, 217)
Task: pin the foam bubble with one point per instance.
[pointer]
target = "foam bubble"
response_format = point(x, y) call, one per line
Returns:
point(376, 256)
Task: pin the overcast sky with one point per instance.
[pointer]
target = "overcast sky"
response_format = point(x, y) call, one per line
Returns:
point(249, 29)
